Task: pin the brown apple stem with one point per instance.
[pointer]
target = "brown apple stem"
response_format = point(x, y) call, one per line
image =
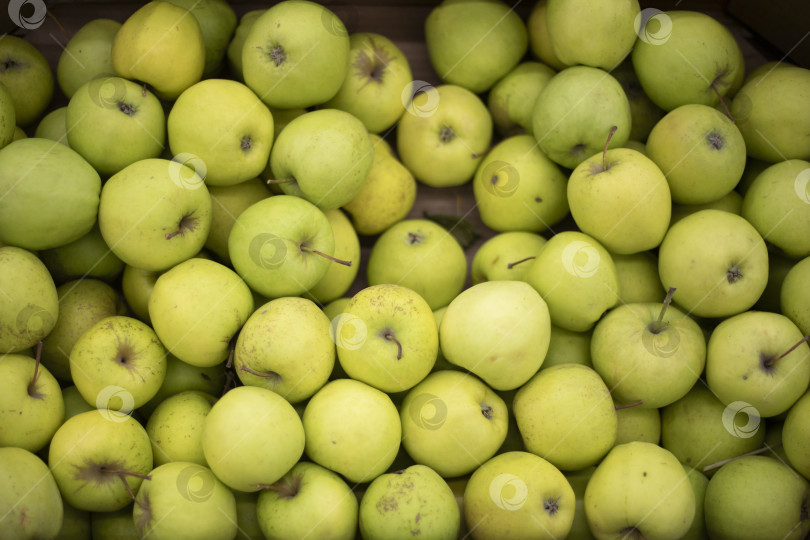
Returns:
point(628, 405)
point(122, 475)
point(477, 155)
point(229, 380)
point(772, 361)
point(37, 359)
point(325, 256)
point(270, 375)
point(229, 363)
point(659, 323)
point(722, 101)
point(604, 150)
point(286, 488)
point(171, 235)
point(722, 462)
point(390, 337)
point(513, 264)
point(143, 92)
point(282, 181)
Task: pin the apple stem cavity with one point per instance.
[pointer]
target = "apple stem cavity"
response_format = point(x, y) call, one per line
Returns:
point(277, 55)
point(628, 405)
point(772, 361)
point(486, 410)
point(722, 462)
point(513, 264)
point(447, 134)
point(187, 223)
point(658, 325)
point(389, 336)
point(551, 506)
point(32, 386)
point(324, 255)
point(605, 149)
point(733, 274)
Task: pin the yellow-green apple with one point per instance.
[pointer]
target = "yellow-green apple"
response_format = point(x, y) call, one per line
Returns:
point(85, 258)
point(473, 44)
point(565, 415)
point(234, 53)
point(217, 21)
point(518, 188)
point(795, 295)
point(227, 202)
point(339, 277)
point(112, 122)
point(511, 100)
point(50, 194)
point(294, 55)
point(638, 424)
point(579, 482)
point(8, 117)
point(638, 277)
point(175, 427)
point(256, 427)
point(116, 525)
point(27, 77)
point(161, 45)
point(717, 262)
point(444, 133)
point(53, 126)
point(701, 152)
point(137, 286)
point(420, 255)
point(407, 503)
point(452, 422)
point(796, 435)
point(497, 258)
point(567, 347)
point(155, 214)
point(197, 307)
point(352, 429)
point(87, 55)
point(246, 518)
point(182, 377)
point(75, 524)
point(224, 124)
point(539, 40)
point(699, 483)
point(30, 503)
point(778, 267)
point(74, 402)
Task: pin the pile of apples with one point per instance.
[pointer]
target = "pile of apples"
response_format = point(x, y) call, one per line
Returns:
point(625, 356)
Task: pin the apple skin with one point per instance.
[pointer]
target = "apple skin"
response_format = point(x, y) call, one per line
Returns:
point(85, 258)
point(53, 126)
point(227, 202)
point(117, 525)
point(338, 278)
point(539, 40)
point(175, 427)
point(638, 278)
point(8, 117)
point(493, 259)
point(87, 55)
point(512, 98)
point(30, 503)
point(28, 78)
point(795, 295)
point(182, 377)
point(796, 434)
point(234, 53)
point(217, 22)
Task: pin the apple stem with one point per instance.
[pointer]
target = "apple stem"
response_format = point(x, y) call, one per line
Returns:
point(325, 256)
point(390, 337)
point(283, 181)
point(33, 382)
point(143, 92)
point(513, 264)
point(659, 323)
point(171, 235)
point(772, 361)
point(271, 375)
point(628, 405)
point(722, 101)
point(122, 475)
point(604, 150)
point(229, 380)
point(477, 155)
point(722, 462)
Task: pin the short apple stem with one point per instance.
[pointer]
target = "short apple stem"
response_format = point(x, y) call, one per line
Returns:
point(171, 235)
point(229, 363)
point(143, 92)
point(628, 405)
point(122, 475)
point(659, 323)
point(271, 375)
point(722, 462)
point(325, 256)
point(604, 150)
point(37, 360)
point(722, 101)
point(229, 382)
point(390, 337)
point(280, 181)
point(772, 361)
point(513, 264)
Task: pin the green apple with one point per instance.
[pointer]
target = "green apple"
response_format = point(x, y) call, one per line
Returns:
point(377, 73)
point(539, 40)
point(575, 112)
point(767, 111)
point(99, 460)
point(161, 45)
point(75, 524)
point(308, 501)
point(796, 434)
point(18, 134)
point(31, 406)
point(294, 55)
point(760, 359)
point(579, 482)
point(323, 156)
point(82, 303)
point(175, 427)
point(282, 246)
point(196, 308)
point(518, 188)
point(137, 286)
point(638, 424)
point(29, 305)
point(234, 53)
point(650, 352)
point(795, 295)
point(8, 117)
point(252, 436)
point(87, 55)
point(695, 142)
point(74, 402)
point(732, 267)
point(475, 43)
point(644, 113)
point(335, 308)
point(745, 491)
point(699, 483)
point(621, 198)
point(27, 77)
point(227, 202)
point(155, 214)
point(117, 525)
point(224, 124)
point(182, 377)
point(50, 194)
point(118, 355)
point(53, 126)
point(85, 258)
point(412, 502)
point(778, 267)
point(566, 416)
point(420, 255)
point(567, 347)
point(30, 504)
point(497, 258)
point(640, 490)
point(182, 499)
point(265, 355)
point(576, 277)
point(511, 100)
point(777, 204)
point(684, 57)
point(730, 202)
point(444, 132)
point(217, 22)
point(594, 34)
point(352, 429)
point(246, 518)
point(339, 277)
point(638, 277)
point(520, 493)
point(498, 330)
point(452, 422)
point(387, 337)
